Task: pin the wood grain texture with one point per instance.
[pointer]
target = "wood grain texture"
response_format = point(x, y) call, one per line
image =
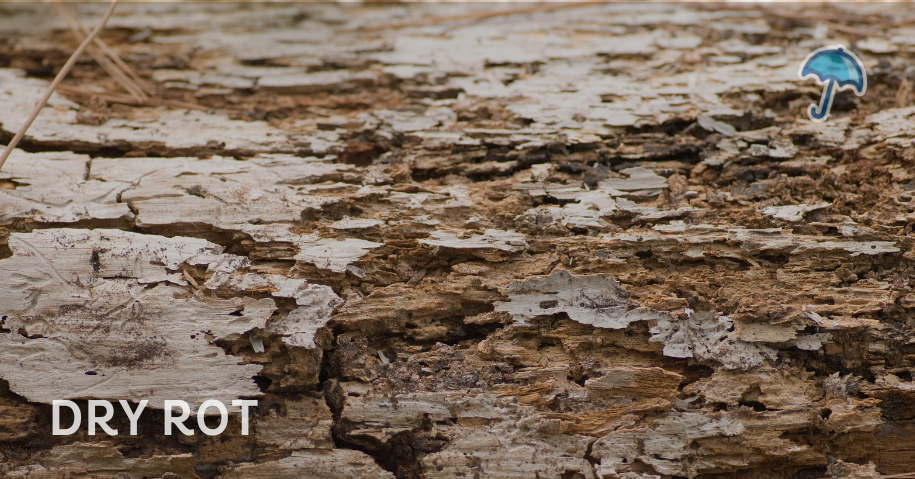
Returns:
point(435, 241)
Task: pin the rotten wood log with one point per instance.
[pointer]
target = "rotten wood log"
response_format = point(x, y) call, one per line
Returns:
point(593, 241)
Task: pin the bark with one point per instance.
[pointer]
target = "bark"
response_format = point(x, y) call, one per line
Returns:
point(568, 241)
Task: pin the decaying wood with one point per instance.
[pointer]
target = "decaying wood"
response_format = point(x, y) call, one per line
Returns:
point(86, 42)
point(591, 241)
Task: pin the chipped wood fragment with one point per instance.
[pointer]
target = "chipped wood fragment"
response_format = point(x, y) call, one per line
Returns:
point(595, 300)
point(312, 463)
point(77, 308)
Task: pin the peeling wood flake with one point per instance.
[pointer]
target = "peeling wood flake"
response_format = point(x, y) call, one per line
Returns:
point(597, 300)
point(332, 254)
point(312, 463)
point(708, 337)
point(507, 241)
point(82, 325)
point(58, 125)
point(53, 189)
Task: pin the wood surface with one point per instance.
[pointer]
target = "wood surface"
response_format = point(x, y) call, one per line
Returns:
point(592, 241)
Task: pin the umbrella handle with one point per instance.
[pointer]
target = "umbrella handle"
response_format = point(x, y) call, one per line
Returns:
point(818, 113)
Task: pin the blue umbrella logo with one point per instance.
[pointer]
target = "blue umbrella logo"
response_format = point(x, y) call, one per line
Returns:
point(837, 68)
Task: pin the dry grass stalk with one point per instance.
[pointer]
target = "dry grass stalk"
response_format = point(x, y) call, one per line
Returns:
point(103, 54)
point(54, 84)
point(128, 100)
